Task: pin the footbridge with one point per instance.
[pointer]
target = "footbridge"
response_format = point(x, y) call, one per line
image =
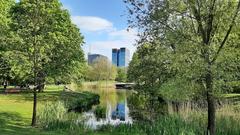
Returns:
point(120, 85)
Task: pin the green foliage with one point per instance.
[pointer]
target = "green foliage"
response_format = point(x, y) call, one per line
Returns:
point(177, 39)
point(146, 107)
point(179, 90)
point(101, 69)
point(100, 112)
point(121, 75)
point(5, 6)
point(49, 40)
point(132, 73)
point(186, 46)
point(16, 62)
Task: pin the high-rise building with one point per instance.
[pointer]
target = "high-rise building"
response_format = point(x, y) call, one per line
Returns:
point(93, 57)
point(120, 57)
point(115, 57)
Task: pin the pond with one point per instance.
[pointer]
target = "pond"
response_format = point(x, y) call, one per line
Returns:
point(116, 105)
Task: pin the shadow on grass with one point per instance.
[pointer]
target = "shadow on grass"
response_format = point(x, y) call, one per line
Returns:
point(14, 124)
point(43, 96)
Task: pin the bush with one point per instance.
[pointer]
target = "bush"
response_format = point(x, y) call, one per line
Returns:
point(100, 112)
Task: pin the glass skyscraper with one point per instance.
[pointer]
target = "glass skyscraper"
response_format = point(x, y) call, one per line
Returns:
point(115, 57)
point(120, 57)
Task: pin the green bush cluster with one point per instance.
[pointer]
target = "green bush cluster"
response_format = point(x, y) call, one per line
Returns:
point(100, 112)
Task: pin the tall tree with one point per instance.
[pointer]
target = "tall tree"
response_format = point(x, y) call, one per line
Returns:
point(102, 69)
point(199, 33)
point(121, 74)
point(49, 41)
point(5, 6)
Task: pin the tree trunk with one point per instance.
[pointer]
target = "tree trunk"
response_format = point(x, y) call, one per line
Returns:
point(211, 129)
point(34, 115)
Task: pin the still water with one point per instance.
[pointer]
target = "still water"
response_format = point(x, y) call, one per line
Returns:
point(115, 102)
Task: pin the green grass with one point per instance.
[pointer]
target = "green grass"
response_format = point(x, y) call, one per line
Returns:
point(231, 95)
point(16, 112)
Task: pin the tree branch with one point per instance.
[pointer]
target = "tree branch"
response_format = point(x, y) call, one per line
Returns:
point(227, 34)
point(210, 22)
point(197, 14)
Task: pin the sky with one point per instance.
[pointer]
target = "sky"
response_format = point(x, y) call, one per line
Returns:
point(103, 23)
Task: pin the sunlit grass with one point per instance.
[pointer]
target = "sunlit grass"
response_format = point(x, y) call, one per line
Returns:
point(16, 112)
point(231, 95)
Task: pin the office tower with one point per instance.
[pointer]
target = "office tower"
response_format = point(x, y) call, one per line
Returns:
point(93, 57)
point(120, 57)
point(115, 57)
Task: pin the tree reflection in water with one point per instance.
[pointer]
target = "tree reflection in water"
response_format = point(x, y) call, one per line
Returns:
point(115, 102)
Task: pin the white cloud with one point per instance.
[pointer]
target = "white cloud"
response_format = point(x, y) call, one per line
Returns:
point(117, 39)
point(92, 23)
point(114, 38)
point(124, 34)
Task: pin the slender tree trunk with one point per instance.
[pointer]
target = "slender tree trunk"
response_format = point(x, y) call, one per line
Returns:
point(211, 129)
point(34, 115)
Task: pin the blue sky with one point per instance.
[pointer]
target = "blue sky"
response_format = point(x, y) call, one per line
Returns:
point(103, 24)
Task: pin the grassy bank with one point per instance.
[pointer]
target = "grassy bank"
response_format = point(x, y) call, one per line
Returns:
point(98, 84)
point(176, 125)
point(16, 112)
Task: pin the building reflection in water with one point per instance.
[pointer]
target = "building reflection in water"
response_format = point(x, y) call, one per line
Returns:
point(119, 113)
point(115, 115)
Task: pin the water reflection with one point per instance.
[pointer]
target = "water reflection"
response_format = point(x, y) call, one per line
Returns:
point(119, 113)
point(115, 102)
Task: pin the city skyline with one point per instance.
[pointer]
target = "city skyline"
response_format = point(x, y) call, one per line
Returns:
point(104, 27)
point(123, 63)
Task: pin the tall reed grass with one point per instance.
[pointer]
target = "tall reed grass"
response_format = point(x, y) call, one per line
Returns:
point(54, 116)
point(188, 121)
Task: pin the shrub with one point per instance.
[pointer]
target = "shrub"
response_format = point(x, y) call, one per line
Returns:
point(100, 112)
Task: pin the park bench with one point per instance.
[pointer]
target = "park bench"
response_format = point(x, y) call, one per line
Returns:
point(13, 90)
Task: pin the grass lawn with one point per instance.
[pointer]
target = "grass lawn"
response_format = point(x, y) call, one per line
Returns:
point(16, 112)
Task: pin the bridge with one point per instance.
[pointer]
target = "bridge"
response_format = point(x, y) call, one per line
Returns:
point(124, 85)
